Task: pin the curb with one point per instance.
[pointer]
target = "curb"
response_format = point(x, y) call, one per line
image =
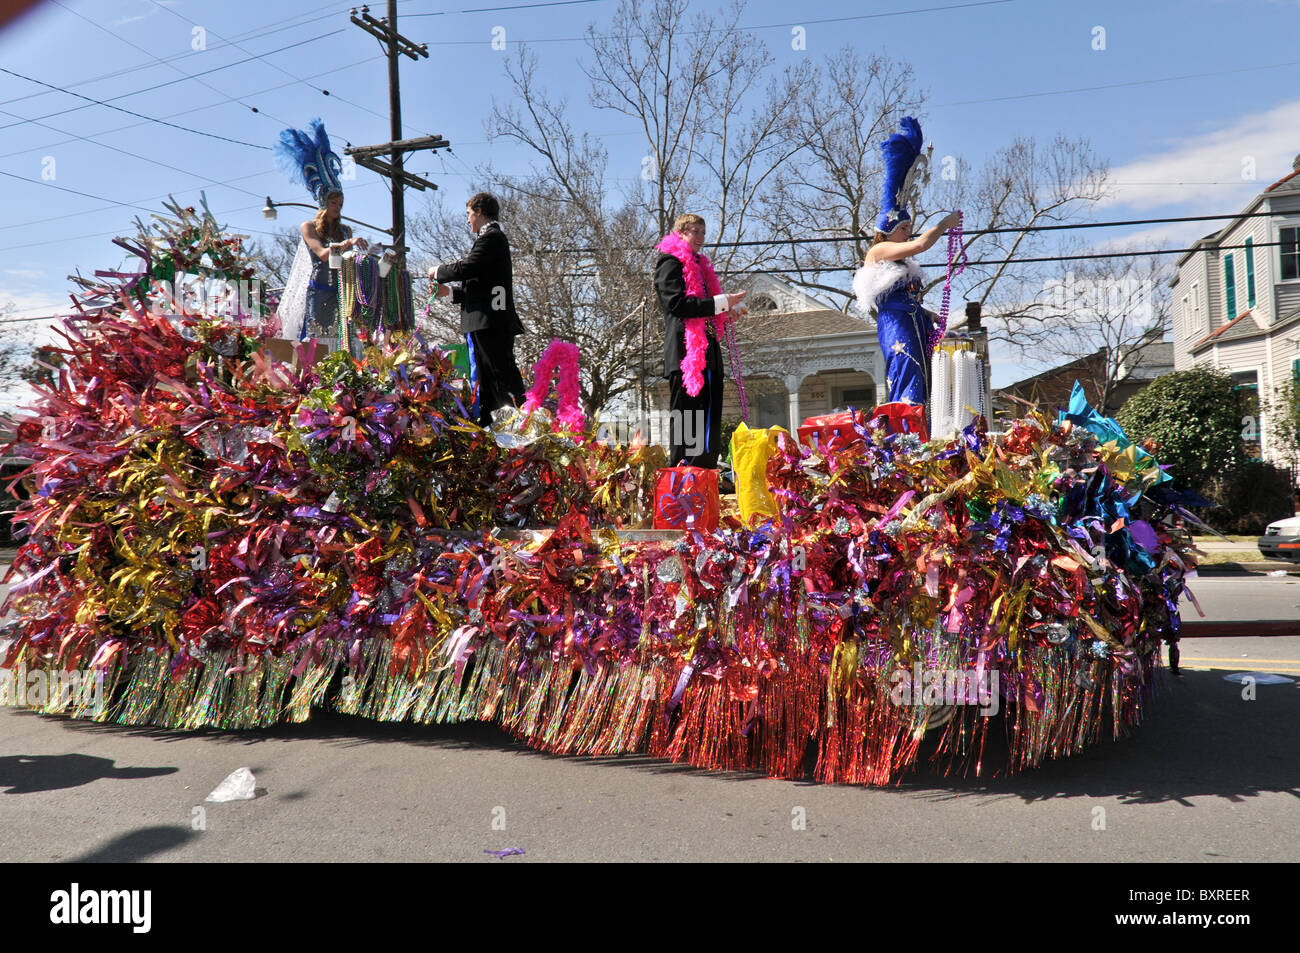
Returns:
point(1248, 569)
point(1201, 629)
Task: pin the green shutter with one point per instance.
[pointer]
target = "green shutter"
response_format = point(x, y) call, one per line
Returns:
point(1250, 273)
point(1229, 287)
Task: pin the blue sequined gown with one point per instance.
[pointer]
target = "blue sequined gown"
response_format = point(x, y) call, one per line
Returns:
point(903, 327)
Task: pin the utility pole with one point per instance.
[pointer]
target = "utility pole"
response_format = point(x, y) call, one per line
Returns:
point(396, 45)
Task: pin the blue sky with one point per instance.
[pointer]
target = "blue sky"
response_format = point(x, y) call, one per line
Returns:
point(1181, 95)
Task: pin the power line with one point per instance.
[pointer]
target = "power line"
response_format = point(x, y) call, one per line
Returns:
point(516, 6)
point(1004, 261)
point(254, 34)
point(742, 29)
point(171, 82)
point(1131, 83)
point(61, 188)
point(1008, 230)
point(161, 122)
point(277, 67)
point(115, 205)
point(183, 112)
point(150, 210)
point(136, 155)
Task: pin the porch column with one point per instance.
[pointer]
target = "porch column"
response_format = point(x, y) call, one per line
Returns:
point(792, 384)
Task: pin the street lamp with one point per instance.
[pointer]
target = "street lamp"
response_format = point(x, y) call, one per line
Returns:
point(269, 212)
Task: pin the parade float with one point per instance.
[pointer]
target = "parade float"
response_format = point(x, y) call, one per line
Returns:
point(214, 538)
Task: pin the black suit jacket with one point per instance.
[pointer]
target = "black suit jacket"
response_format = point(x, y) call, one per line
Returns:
point(487, 293)
point(670, 286)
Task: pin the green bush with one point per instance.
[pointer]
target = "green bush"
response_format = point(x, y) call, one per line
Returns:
point(1195, 420)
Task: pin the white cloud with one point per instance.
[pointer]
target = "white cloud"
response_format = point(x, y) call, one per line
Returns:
point(1209, 168)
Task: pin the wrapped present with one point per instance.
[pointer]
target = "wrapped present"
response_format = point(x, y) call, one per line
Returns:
point(902, 417)
point(686, 498)
point(750, 451)
point(830, 433)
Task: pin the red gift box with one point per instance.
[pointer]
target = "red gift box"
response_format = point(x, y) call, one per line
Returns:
point(686, 498)
point(902, 417)
point(830, 432)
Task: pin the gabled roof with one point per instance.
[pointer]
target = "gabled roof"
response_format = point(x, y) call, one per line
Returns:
point(794, 314)
point(1238, 329)
point(1288, 183)
point(1222, 332)
point(1294, 186)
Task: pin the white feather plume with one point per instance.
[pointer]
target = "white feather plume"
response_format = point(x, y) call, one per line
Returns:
point(878, 278)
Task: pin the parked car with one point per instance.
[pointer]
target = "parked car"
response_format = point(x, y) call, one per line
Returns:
point(1281, 539)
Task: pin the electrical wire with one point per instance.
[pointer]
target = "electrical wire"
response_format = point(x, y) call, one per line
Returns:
point(171, 82)
point(185, 112)
point(1008, 230)
point(256, 33)
point(129, 112)
point(150, 210)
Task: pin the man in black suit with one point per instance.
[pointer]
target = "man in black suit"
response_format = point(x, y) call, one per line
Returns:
point(695, 422)
point(487, 307)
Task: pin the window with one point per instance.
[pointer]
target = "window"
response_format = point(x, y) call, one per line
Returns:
point(1289, 252)
point(1252, 425)
point(1250, 273)
point(859, 398)
point(1201, 325)
point(1229, 288)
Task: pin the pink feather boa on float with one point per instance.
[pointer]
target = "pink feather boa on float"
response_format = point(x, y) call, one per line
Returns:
point(701, 282)
point(561, 357)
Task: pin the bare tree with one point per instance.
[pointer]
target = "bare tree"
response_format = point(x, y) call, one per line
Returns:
point(1105, 315)
point(575, 278)
point(844, 109)
point(1018, 189)
point(716, 127)
point(274, 256)
point(18, 354)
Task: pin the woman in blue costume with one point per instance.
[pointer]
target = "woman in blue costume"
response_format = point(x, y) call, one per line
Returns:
point(309, 304)
point(889, 281)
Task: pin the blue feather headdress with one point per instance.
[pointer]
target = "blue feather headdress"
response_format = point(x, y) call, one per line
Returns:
point(307, 159)
point(905, 168)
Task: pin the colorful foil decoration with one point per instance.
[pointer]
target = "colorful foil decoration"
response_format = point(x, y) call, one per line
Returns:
point(213, 538)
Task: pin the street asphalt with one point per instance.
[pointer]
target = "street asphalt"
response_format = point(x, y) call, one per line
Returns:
point(1212, 775)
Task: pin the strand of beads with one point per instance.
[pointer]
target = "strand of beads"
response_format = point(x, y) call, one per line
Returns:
point(347, 300)
point(955, 250)
point(733, 351)
point(367, 273)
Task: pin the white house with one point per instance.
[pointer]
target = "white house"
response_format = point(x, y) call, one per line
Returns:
point(1237, 300)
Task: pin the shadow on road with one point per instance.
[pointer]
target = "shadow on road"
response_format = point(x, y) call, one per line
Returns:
point(28, 774)
point(136, 846)
point(1199, 738)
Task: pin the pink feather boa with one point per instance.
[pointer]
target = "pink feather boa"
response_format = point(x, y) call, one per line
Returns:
point(701, 282)
point(561, 357)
